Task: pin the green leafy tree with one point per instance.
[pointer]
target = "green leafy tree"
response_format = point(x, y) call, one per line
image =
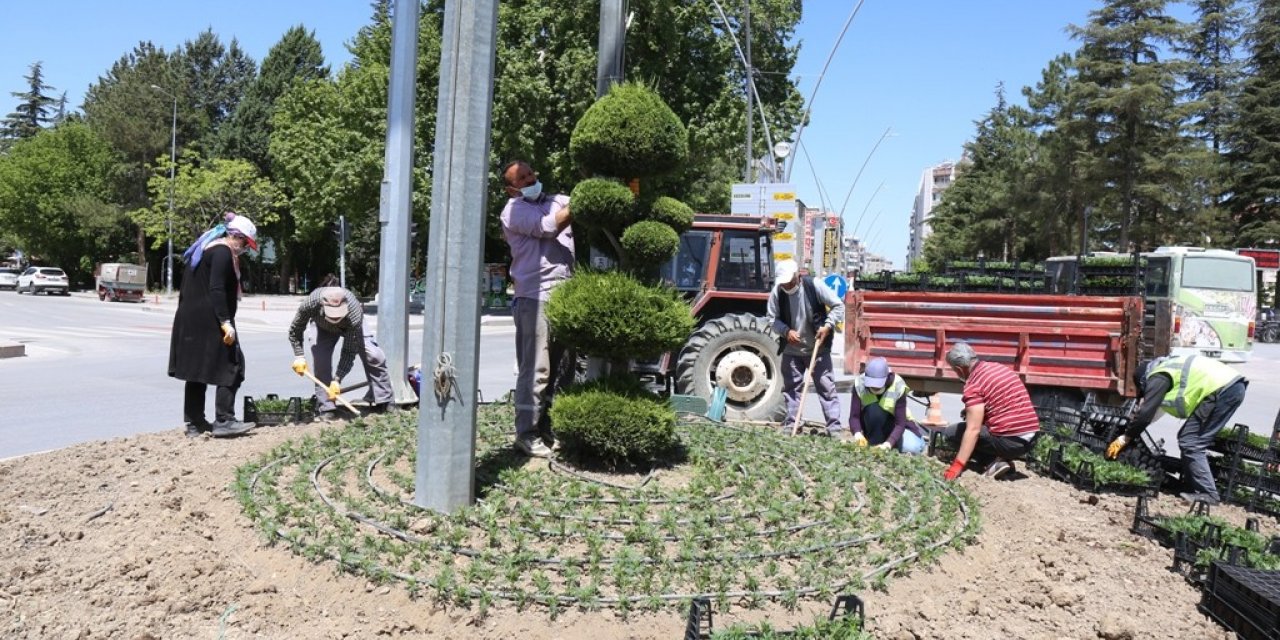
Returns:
point(329, 139)
point(1130, 95)
point(297, 57)
point(134, 118)
point(1058, 192)
point(545, 81)
point(203, 191)
point(56, 195)
point(984, 210)
point(213, 78)
point(631, 133)
point(35, 107)
point(1253, 139)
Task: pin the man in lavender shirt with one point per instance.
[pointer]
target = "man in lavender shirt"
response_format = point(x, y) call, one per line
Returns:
point(536, 226)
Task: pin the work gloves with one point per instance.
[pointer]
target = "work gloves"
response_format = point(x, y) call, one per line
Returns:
point(954, 471)
point(860, 439)
point(1113, 449)
point(334, 390)
point(300, 365)
point(228, 334)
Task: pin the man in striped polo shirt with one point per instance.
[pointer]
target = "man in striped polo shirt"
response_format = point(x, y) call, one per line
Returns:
point(1000, 420)
point(337, 314)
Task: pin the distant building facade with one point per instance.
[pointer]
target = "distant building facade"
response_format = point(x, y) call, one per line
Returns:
point(933, 181)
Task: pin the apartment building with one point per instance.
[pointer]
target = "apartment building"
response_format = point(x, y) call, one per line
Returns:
point(933, 181)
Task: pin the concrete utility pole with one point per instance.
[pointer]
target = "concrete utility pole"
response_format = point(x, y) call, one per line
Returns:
point(445, 473)
point(612, 45)
point(396, 203)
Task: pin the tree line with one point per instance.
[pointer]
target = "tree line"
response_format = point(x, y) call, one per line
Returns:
point(1153, 132)
point(295, 144)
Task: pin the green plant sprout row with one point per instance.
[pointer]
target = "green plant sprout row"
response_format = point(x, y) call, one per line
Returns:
point(749, 518)
point(1075, 456)
point(1254, 544)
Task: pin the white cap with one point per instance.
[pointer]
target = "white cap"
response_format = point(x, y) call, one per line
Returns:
point(246, 228)
point(334, 302)
point(785, 271)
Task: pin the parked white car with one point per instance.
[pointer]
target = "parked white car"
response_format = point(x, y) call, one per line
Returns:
point(8, 278)
point(46, 279)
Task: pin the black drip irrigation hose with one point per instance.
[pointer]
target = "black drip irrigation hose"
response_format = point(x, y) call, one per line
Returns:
point(545, 599)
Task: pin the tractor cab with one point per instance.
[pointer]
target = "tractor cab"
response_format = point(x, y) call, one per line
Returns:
point(724, 264)
point(725, 267)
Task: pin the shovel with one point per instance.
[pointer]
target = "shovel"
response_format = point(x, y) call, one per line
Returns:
point(339, 399)
point(804, 392)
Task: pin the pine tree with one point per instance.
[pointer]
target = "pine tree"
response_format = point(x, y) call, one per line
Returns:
point(33, 109)
point(1253, 140)
point(1131, 97)
point(295, 58)
point(1213, 72)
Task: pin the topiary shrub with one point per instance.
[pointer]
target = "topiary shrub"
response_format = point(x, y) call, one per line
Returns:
point(613, 420)
point(598, 203)
point(629, 133)
point(612, 315)
point(649, 243)
point(673, 213)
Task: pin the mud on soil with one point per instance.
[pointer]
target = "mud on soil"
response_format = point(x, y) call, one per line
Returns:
point(172, 556)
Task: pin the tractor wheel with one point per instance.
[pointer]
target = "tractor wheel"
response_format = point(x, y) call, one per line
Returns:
point(739, 353)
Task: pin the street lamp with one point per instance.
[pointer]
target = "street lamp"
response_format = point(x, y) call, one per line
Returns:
point(173, 162)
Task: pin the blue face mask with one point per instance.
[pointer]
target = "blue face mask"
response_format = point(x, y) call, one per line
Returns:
point(532, 191)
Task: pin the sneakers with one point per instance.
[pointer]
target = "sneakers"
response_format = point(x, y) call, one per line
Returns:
point(533, 446)
point(328, 416)
point(1199, 497)
point(196, 429)
point(998, 469)
point(230, 428)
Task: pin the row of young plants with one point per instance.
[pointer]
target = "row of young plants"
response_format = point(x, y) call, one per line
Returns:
point(747, 518)
point(1253, 545)
point(1078, 460)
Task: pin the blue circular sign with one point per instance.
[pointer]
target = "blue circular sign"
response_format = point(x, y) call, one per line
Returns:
point(837, 283)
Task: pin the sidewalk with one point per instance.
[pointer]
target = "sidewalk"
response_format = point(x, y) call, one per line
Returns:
point(279, 309)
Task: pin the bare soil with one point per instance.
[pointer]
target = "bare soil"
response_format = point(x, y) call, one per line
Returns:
point(172, 556)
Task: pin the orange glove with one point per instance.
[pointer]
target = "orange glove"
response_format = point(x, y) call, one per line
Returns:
point(1117, 445)
point(954, 471)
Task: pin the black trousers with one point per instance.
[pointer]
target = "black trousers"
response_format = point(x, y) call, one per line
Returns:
point(224, 403)
point(989, 447)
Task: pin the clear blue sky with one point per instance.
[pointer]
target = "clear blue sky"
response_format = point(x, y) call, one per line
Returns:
point(927, 69)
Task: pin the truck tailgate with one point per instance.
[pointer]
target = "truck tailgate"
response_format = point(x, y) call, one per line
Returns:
point(1084, 342)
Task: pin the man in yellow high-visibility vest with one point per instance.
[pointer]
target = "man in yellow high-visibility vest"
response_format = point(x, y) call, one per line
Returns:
point(1200, 390)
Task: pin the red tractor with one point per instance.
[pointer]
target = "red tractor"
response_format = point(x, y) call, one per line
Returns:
point(725, 267)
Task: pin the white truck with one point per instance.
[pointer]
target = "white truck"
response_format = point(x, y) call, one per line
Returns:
point(119, 281)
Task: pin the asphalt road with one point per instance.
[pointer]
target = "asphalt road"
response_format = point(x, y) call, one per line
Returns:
point(97, 370)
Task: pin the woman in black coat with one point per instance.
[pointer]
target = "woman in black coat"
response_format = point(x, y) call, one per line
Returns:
point(203, 349)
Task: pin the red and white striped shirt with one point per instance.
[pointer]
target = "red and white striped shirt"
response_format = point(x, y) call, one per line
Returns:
point(1008, 410)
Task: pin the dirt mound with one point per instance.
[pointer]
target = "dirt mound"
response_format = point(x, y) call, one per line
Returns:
point(143, 538)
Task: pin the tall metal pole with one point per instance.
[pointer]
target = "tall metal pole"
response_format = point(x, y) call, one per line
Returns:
point(173, 162)
point(746, 42)
point(342, 251)
point(612, 39)
point(396, 202)
point(445, 471)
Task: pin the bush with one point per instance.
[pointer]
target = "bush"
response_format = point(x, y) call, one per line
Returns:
point(649, 243)
point(629, 133)
point(614, 316)
point(602, 204)
point(673, 213)
point(613, 420)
